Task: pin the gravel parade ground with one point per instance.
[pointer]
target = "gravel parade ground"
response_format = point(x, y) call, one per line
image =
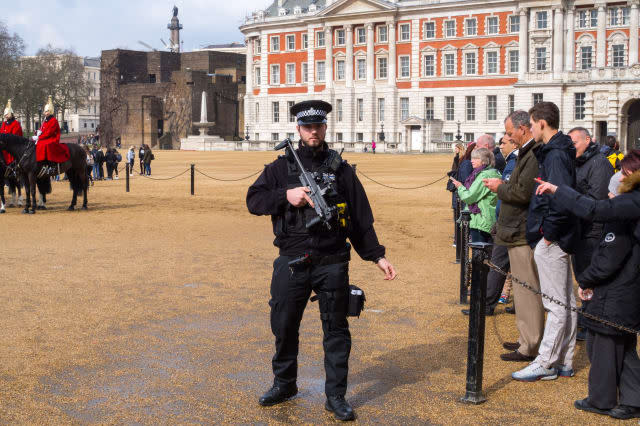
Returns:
point(151, 308)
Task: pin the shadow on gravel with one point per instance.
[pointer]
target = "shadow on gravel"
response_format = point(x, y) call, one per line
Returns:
point(409, 365)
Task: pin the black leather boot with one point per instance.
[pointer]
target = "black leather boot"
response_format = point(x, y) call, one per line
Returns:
point(340, 408)
point(277, 394)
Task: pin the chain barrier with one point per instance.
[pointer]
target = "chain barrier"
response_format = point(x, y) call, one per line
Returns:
point(228, 180)
point(396, 187)
point(558, 302)
point(173, 177)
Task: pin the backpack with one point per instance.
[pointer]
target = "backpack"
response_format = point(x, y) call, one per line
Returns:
point(118, 157)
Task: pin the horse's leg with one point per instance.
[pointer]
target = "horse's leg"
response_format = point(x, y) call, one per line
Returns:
point(84, 180)
point(2, 201)
point(33, 188)
point(27, 194)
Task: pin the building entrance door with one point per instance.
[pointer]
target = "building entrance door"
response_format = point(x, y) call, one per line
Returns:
point(416, 139)
point(601, 131)
point(633, 129)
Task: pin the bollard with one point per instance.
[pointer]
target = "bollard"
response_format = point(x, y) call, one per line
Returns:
point(193, 179)
point(127, 178)
point(456, 227)
point(477, 312)
point(465, 217)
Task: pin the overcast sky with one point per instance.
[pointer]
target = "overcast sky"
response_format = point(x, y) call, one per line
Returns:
point(90, 26)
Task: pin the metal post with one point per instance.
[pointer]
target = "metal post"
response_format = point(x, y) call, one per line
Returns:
point(465, 217)
point(477, 311)
point(457, 237)
point(127, 178)
point(193, 178)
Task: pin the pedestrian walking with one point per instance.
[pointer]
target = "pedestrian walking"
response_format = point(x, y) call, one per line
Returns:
point(131, 156)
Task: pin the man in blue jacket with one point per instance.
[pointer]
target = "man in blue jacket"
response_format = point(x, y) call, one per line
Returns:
point(554, 235)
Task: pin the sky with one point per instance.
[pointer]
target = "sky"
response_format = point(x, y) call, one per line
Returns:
point(90, 26)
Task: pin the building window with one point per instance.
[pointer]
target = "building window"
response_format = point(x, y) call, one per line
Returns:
point(257, 111)
point(492, 25)
point(428, 108)
point(594, 18)
point(492, 62)
point(290, 136)
point(291, 42)
point(275, 112)
point(275, 74)
point(450, 64)
point(275, 44)
point(320, 71)
point(258, 76)
point(449, 108)
point(429, 65)
point(305, 72)
point(450, 28)
point(492, 107)
point(469, 137)
point(512, 103)
point(275, 137)
point(514, 24)
point(448, 137)
point(614, 16)
point(579, 101)
point(541, 20)
point(541, 58)
point(582, 19)
point(152, 79)
point(470, 63)
point(585, 57)
point(537, 98)
point(429, 30)
point(359, 137)
point(404, 67)
point(404, 108)
point(305, 41)
point(471, 26)
point(626, 14)
point(361, 36)
point(382, 67)
point(470, 107)
point(340, 38)
point(340, 70)
point(380, 109)
point(360, 109)
point(361, 66)
point(405, 32)
point(514, 61)
point(617, 51)
point(339, 110)
point(257, 46)
point(319, 38)
point(339, 137)
point(291, 73)
point(292, 118)
point(382, 34)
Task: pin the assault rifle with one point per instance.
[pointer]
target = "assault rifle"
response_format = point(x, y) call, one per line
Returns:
point(316, 193)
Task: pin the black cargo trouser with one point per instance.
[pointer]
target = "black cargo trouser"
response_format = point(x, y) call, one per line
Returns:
point(495, 280)
point(581, 261)
point(290, 291)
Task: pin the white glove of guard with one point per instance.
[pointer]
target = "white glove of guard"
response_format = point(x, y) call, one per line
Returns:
point(39, 132)
point(34, 138)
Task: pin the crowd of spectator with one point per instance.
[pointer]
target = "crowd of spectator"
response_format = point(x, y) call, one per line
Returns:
point(558, 206)
point(98, 159)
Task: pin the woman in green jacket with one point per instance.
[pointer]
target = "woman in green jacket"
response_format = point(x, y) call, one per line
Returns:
point(479, 200)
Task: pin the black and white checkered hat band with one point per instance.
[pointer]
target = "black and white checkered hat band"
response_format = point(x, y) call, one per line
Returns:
point(312, 112)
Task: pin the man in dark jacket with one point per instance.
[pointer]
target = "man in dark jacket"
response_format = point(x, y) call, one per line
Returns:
point(515, 196)
point(554, 235)
point(314, 258)
point(99, 161)
point(593, 173)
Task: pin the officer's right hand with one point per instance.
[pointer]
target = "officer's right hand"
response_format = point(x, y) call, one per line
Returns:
point(298, 197)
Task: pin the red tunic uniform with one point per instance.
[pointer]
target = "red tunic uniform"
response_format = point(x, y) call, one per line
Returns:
point(12, 127)
point(49, 147)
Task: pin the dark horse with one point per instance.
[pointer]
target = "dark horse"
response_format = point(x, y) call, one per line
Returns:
point(8, 177)
point(25, 154)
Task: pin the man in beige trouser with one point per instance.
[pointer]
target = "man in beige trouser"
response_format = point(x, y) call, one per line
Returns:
point(511, 232)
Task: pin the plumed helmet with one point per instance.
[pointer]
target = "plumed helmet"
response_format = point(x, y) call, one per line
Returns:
point(8, 110)
point(48, 108)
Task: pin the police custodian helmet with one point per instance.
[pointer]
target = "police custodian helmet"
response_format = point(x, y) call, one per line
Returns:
point(311, 112)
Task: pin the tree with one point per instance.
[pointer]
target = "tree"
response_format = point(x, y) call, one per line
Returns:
point(30, 91)
point(11, 49)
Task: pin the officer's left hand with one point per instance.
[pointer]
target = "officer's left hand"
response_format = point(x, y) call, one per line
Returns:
point(388, 269)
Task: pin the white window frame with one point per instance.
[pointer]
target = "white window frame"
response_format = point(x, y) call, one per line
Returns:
point(379, 76)
point(361, 68)
point(275, 75)
point(339, 110)
point(467, 27)
point(404, 113)
point(288, 70)
point(495, 107)
point(508, 61)
point(271, 44)
point(538, 20)
point(536, 58)
point(275, 112)
point(305, 41)
point(305, 72)
point(360, 110)
point(512, 24)
point(582, 57)
point(338, 36)
point(257, 47)
point(447, 137)
point(467, 109)
point(454, 53)
point(401, 32)
point(617, 39)
point(275, 137)
point(292, 118)
point(579, 109)
point(535, 95)
point(431, 55)
point(256, 111)
point(486, 61)
point(511, 103)
point(386, 34)
point(445, 30)
point(360, 36)
point(488, 26)
point(359, 137)
point(400, 66)
point(320, 39)
point(257, 72)
point(452, 109)
point(288, 38)
point(466, 69)
point(339, 137)
point(324, 71)
point(426, 31)
point(339, 77)
point(381, 110)
point(432, 110)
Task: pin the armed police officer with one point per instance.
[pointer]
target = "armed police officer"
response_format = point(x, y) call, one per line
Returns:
point(314, 254)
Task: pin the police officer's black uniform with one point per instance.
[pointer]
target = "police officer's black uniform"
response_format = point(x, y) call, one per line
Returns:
point(325, 258)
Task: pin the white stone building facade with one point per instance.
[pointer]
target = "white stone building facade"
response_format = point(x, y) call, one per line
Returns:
point(418, 69)
point(86, 120)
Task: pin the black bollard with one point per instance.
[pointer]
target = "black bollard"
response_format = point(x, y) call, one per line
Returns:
point(456, 227)
point(193, 179)
point(465, 217)
point(127, 178)
point(477, 312)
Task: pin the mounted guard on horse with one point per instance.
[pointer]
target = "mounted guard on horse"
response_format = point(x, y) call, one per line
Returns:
point(7, 173)
point(53, 157)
